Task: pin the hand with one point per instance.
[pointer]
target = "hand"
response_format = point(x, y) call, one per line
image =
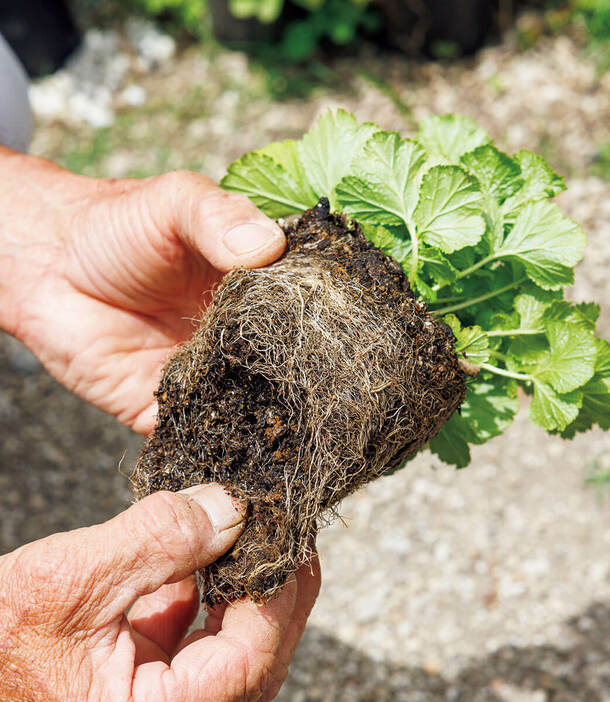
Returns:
point(65, 635)
point(101, 278)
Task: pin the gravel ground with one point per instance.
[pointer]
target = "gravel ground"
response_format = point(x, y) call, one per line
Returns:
point(491, 583)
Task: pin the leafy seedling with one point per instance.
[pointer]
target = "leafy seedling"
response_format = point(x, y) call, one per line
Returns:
point(421, 275)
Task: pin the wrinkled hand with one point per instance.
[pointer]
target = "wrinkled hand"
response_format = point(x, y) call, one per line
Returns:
point(65, 634)
point(101, 278)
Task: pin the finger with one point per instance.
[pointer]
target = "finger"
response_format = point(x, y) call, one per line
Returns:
point(308, 579)
point(226, 228)
point(144, 422)
point(164, 616)
point(211, 627)
point(233, 665)
point(161, 539)
point(147, 651)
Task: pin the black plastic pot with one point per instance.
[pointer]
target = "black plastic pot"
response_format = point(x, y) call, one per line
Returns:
point(40, 32)
point(233, 30)
point(434, 26)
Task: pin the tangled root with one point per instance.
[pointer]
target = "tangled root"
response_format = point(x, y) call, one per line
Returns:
point(305, 380)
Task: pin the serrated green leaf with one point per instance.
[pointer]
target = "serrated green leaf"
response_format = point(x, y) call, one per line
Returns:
point(531, 312)
point(595, 408)
point(387, 181)
point(524, 352)
point(501, 320)
point(436, 265)
point(551, 410)
point(583, 315)
point(448, 213)
point(499, 177)
point(285, 153)
point(487, 411)
point(450, 445)
point(446, 138)
point(270, 187)
point(464, 258)
point(489, 408)
point(595, 395)
point(471, 342)
point(570, 360)
point(602, 358)
point(494, 220)
point(474, 344)
point(547, 243)
point(539, 181)
point(498, 174)
point(590, 310)
point(358, 198)
point(327, 150)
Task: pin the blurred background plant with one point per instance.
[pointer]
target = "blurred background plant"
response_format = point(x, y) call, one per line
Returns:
point(444, 28)
point(295, 28)
point(598, 475)
point(296, 31)
point(587, 21)
point(189, 15)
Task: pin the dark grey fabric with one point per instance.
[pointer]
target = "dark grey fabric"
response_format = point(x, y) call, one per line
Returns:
point(15, 114)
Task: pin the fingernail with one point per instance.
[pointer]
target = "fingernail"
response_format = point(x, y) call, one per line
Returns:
point(223, 511)
point(248, 238)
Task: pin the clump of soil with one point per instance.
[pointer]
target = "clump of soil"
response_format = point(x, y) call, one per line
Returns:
point(305, 380)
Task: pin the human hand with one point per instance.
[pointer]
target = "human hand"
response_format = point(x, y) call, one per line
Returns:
point(101, 278)
point(66, 636)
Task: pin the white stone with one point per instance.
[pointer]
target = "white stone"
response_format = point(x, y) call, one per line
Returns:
point(153, 47)
point(133, 95)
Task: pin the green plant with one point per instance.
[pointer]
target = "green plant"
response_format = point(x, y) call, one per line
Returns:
point(335, 20)
point(601, 163)
point(189, 14)
point(592, 17)
point(338, 21)
point(480, 241)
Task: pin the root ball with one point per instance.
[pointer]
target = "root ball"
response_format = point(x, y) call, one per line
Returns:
point(305, 380)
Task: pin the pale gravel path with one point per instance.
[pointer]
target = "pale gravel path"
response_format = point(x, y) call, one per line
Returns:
point(491, 583)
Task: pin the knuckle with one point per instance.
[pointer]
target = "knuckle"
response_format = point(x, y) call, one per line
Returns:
point(40, 583)
point(237, 203)
point(250, 674)
point(182, 180)
point(168, 518)
point(42, 562)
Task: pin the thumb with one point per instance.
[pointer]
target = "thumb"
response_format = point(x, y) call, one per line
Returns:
point(161, 539)
point(226, 228)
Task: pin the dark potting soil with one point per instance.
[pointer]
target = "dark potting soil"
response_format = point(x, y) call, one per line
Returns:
point(282, 438)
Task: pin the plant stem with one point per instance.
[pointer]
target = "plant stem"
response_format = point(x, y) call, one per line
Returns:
point(512, 332)
point(468, 271)
point(481, 298)
point(498, 354)
point(445, 299)
point(476, 266)
point(414, 257)
point(507, 374)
